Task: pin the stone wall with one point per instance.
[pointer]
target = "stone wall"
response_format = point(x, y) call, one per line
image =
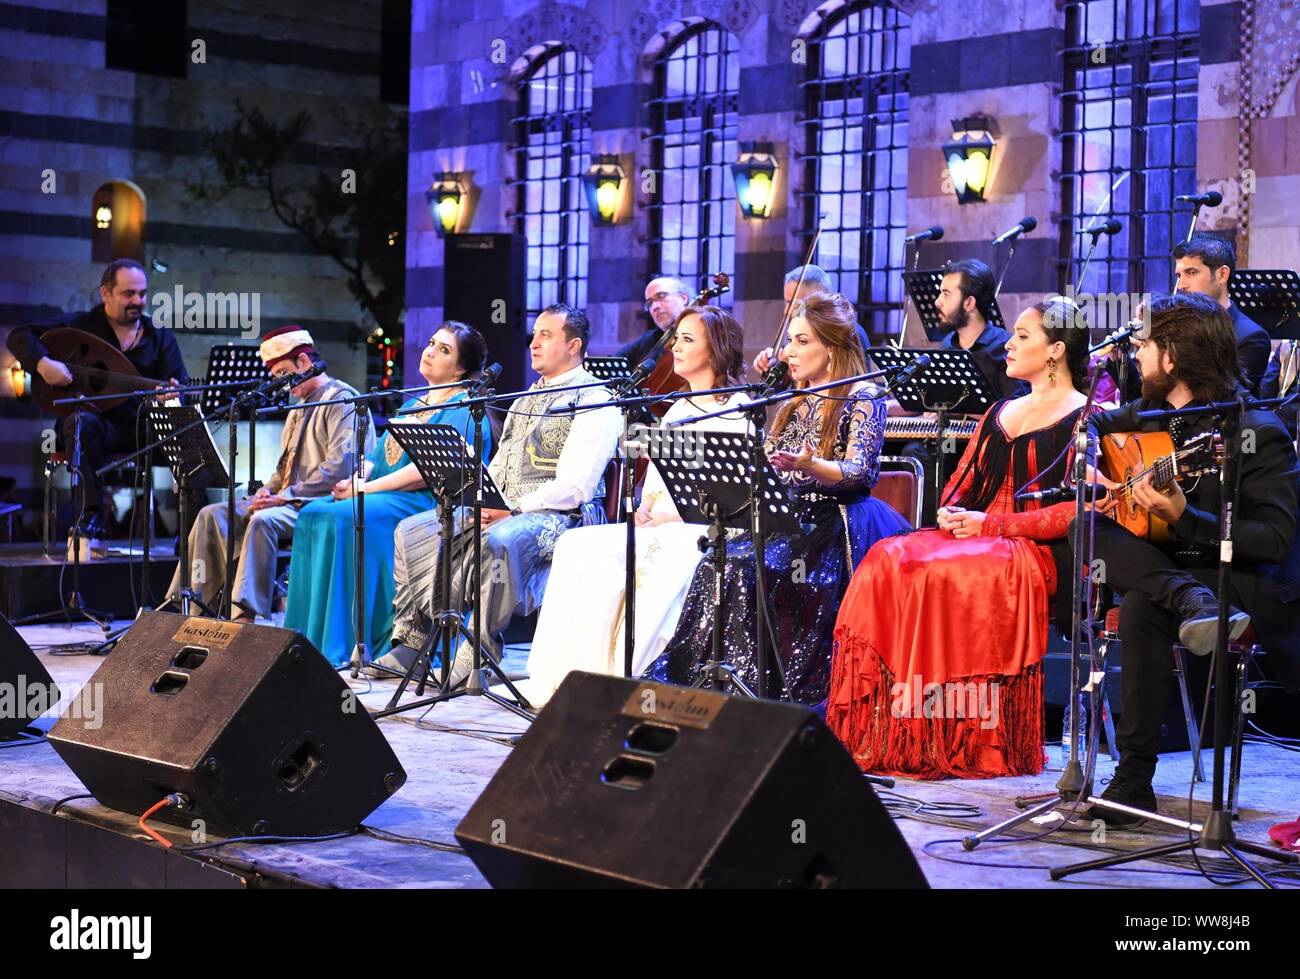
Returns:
point(64, 114)
point(1003, 60)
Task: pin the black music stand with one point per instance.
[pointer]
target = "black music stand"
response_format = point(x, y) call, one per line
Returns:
point(195, 464)
point(1271, 297)
point(608, 368)
point(231, 364)
point(447, 464)
point(711, 480)
point(923, 288)
point(953, 384)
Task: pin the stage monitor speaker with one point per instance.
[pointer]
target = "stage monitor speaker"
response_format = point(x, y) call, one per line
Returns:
point(249, 722)
point(625, 783)
point(483, 285)
point(26, 690)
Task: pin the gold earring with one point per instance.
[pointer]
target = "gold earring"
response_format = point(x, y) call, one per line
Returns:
point(1051, 369)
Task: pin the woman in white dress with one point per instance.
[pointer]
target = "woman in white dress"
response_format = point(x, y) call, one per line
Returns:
point(580, 625)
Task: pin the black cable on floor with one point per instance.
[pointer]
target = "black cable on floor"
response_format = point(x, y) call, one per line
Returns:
point(388, 837)
point(265, 839)
point(66, 799)
point(22, 741)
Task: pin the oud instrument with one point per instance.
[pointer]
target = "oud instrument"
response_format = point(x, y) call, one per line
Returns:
point(97, 368)
point(1129, 457)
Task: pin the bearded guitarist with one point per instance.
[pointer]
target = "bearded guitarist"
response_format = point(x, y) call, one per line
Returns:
point(120, 321)
point(1188, 358)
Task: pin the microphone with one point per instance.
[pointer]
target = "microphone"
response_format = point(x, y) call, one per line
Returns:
point(477, 385)
point(1117, 336)
point(293, 380)
point(1058, 494)
point(1111, 227)
point(1211, 198)
point(1025, 225)
point(917, 366)
point(774, 378)
point(929, 234)
point(642, 371)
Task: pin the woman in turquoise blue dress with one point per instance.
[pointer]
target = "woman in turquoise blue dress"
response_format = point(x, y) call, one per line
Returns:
point(321, 585)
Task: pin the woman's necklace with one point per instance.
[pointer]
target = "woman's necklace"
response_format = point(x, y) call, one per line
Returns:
point(393, 451)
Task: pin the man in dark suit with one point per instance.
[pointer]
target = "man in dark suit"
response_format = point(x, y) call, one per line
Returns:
point(120, 321)
point(1190, 358)
point(665, 298)
point(1204, 265)
point(965, 305)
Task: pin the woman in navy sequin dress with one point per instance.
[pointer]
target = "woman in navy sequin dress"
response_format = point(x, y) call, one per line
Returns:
point(827, 452)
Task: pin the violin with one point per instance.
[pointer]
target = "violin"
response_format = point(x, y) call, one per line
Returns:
point(663, 379)
point(96, 366)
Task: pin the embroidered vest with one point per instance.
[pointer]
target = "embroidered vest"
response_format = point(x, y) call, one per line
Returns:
point(531, 445)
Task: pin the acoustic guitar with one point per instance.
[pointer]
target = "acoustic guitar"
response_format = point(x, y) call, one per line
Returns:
point(1128, 457)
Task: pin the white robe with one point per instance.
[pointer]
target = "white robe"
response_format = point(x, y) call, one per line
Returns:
point(580, 625)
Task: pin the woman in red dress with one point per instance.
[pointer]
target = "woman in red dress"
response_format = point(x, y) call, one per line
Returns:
point(939, 640)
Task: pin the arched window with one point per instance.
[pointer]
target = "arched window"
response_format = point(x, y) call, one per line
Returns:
point(693, 144)
point(1128, 145)
point(857, 106)
point(554, 146)
point(117, 218)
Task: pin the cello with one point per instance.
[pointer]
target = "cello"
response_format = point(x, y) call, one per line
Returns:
point(96, 366)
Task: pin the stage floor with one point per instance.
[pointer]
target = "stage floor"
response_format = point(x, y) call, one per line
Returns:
point(452, 751)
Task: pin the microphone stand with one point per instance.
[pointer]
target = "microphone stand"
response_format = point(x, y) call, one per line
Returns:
point(631, 407)
point(1075, 784)
point(1191, 228)
point(757, 411)
point(631, 411)
point(361, 648)
point(477, 683)
point(907, 296)
point(74, 603)
point(361, 405)
point(1006, 265)
point(1216, 833)
point(491, 397)
point(186, 597)
point(1095, 235)
point(233, 409)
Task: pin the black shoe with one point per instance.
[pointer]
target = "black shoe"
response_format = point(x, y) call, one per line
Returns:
point(1199, 631)
point(1129, 792)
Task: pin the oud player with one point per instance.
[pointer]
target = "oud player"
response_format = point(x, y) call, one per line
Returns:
point(121, 321)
